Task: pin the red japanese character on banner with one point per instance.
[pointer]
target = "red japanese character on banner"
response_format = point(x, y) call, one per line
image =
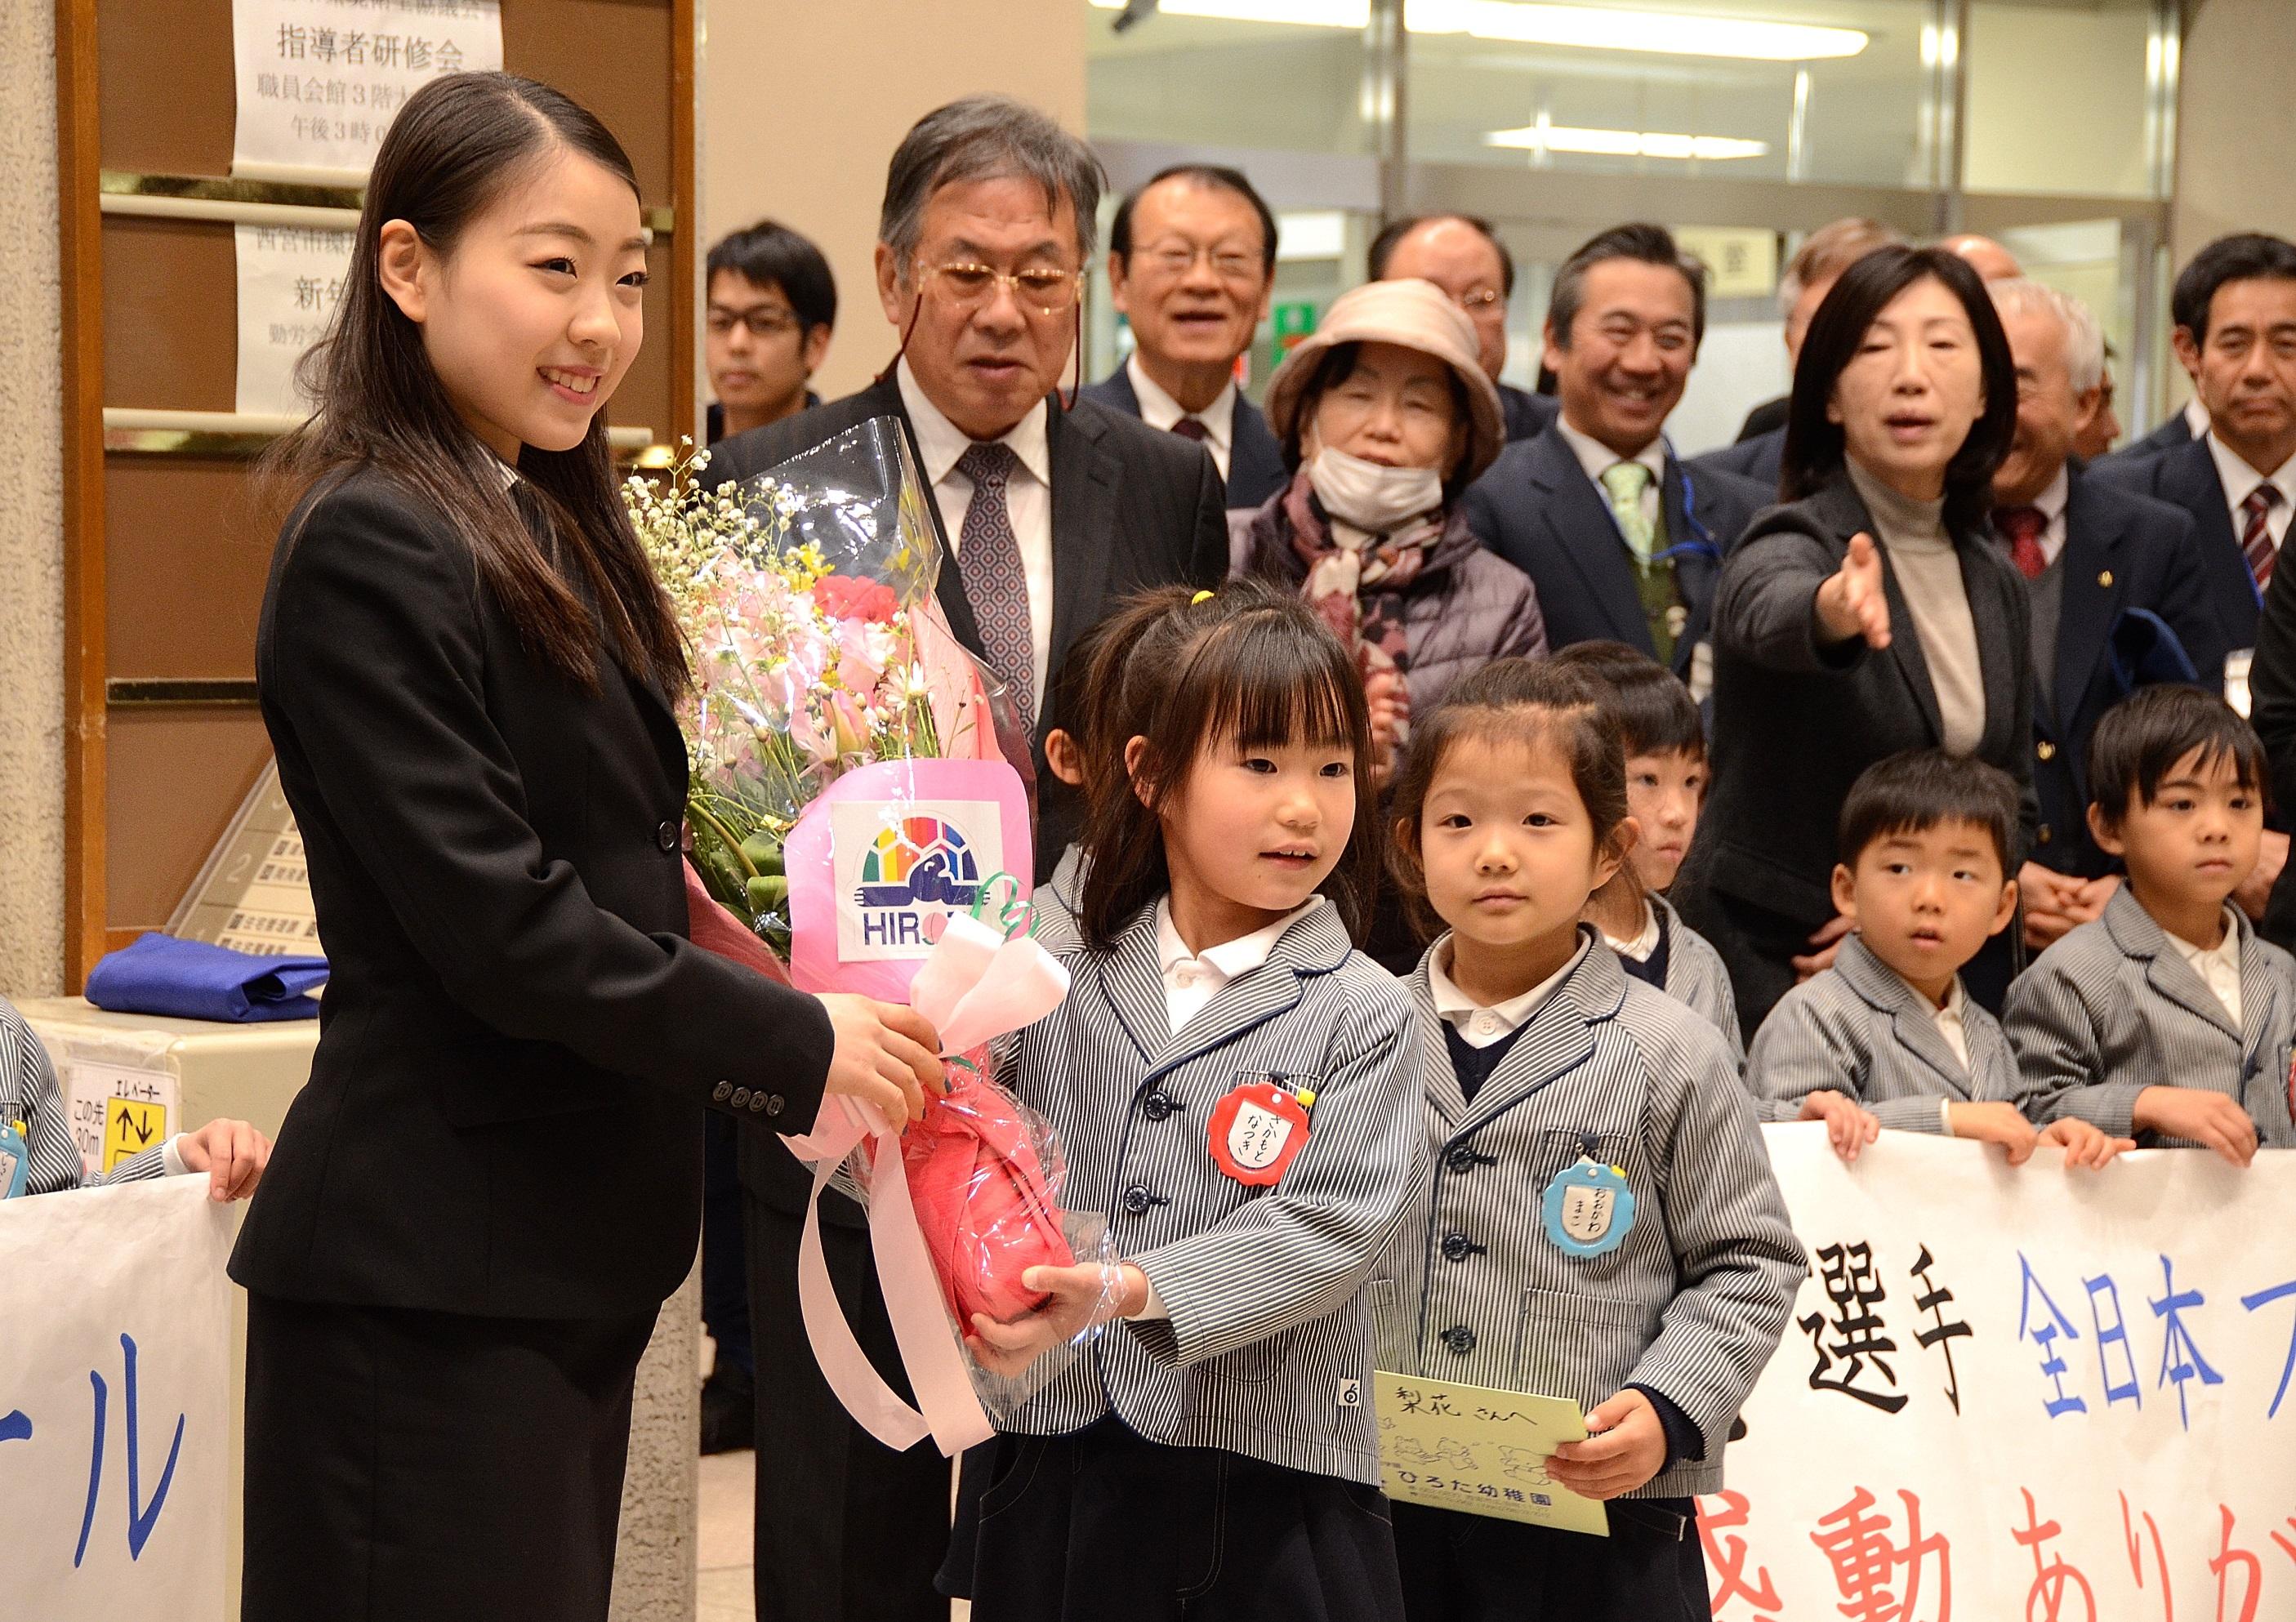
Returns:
point(2136, 1557)
point(2050, 1580)
point(1857, 1543)
point(2287, 1547)
point(1727, 1556)
point(2252, 1569)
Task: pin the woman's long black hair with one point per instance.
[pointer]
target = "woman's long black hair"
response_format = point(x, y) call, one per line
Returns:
point(577, 570)
point(1814, 447)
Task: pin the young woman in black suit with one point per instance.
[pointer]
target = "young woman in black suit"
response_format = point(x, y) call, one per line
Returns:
point(1874, 612)
point(494, 1176)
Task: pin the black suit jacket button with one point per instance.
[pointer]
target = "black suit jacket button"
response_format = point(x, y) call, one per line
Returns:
point(759, 1100)
point(741, 1096)
point(774, 1104)
point(1459, 1338)
point(722, 1092)
point(1136, 1201)
point(666, 836)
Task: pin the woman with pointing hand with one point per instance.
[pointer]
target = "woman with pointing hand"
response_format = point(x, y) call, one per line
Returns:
point(1871, 613)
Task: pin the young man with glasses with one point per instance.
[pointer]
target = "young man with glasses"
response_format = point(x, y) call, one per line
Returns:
point(1191, 267)
point(1462, 255)
point(771, 304)
point(1051, 512)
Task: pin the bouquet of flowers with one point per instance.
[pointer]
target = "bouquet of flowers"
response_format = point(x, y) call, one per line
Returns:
point(849, 804)
point(806, 596)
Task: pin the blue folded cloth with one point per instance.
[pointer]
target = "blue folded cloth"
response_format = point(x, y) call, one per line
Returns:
point(191, 979)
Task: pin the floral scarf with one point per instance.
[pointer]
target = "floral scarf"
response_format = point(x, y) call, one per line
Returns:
point(1354, 580)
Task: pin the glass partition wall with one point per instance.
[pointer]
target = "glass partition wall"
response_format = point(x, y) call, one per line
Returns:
point(1742, 124)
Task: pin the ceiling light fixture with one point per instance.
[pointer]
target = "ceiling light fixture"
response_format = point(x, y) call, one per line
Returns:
point(1587, 26)
point(1624, 143)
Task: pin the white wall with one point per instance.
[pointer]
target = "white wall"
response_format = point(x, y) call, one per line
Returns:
point(803, 101)
point(31, 515)
point(2236, 123)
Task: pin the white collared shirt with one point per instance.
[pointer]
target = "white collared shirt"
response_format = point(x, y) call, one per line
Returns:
point(1481, 1026)
point(1028, 497)
point(2196, 417)
point(2240, 481)
point(2217, 966)
point(1159, 410)
point(1643, 944)
point(2051, 504)
point(1192, 979)
point(1597, 458)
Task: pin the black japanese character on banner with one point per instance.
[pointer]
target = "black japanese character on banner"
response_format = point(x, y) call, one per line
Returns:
point(1854, 1285)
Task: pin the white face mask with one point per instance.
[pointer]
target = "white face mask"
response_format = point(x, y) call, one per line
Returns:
point(1371, 497)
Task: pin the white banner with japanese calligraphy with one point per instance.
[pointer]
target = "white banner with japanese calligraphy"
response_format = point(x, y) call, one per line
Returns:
point(2021, 1394)
point(290, 279)
point(115, 1402)
point(319, 80)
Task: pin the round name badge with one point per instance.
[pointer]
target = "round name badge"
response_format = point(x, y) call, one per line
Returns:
point(1257, 1130)
point(1588, 1209)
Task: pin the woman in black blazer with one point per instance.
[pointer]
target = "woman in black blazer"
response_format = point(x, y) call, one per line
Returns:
point(493, 1177)
point(1872, 613)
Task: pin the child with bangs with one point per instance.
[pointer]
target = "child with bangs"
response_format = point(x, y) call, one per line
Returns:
point(1597, 1220)
point(1231, 1082)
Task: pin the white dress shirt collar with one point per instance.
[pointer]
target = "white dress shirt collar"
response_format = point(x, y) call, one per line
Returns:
point(1481, 1026)
point(2241, 481)
point(2196, 417)
point(2218, 966)
point(1159, 410)
point(1192, 979)
point(943, 444)
point(1596, 458)
point(2050, 504)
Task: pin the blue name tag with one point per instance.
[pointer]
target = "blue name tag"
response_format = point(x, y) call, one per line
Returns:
point(15, 1162)
point(1588, 1209)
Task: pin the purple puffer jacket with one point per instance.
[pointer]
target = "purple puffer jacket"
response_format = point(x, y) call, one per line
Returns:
point(1465, 607)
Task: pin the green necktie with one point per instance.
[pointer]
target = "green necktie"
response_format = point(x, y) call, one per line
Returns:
point(1624, 482)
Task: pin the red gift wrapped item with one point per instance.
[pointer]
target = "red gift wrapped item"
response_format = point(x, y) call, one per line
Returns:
point(979, 1176)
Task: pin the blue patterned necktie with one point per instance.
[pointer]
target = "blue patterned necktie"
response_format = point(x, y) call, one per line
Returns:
point(988, 562)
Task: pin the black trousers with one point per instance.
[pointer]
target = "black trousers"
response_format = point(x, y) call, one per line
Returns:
point(848, 1529)
point(1473, 1569)
point(1102, 1526)
point(415, 1465)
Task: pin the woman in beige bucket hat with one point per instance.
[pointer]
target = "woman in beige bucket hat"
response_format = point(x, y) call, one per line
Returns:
point(1385, 417)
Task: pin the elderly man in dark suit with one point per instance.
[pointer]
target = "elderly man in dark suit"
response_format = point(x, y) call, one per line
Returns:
point(1462, 255)
point(1622, 539)
point(1191, 266)
point(1051, 514)
point(2116, 589)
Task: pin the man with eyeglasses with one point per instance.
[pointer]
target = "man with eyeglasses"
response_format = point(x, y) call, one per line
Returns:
point(1462, 255)
point(1192, 267)
point(1623, 539)
point(771, 305)
point(1052, 513)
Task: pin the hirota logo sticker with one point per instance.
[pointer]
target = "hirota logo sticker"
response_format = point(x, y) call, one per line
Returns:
point(902, 867)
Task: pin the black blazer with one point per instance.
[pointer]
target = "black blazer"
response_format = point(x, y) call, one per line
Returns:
point(504, 1115)
point(1536, 508)
point(2170, 434)
point(1769, 417)
point(1759, 459)
point(2187, 476)
point(2122, 551)
point(1795, 721)
point(1526, 415)
point(1255, 458)
point(1131, 509)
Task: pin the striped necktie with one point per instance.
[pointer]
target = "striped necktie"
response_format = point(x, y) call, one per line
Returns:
point(2256, 533)
point(996, 582)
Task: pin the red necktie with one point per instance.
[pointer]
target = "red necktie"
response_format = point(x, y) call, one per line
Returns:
point(1188, 428)
point(2255, 537)
point(2021, 528)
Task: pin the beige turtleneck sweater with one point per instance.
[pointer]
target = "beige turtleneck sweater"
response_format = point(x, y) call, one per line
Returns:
point(1928, 567)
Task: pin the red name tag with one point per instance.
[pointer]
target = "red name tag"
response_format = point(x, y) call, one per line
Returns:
point(1257, 1130)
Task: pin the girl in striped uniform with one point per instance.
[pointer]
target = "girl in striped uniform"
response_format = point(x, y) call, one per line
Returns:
point(1232, 1085)
point(1598, 1220)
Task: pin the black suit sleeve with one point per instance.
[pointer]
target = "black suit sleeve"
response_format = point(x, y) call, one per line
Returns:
point(2271, 684)
point(377, 663)
point(2184, 602)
